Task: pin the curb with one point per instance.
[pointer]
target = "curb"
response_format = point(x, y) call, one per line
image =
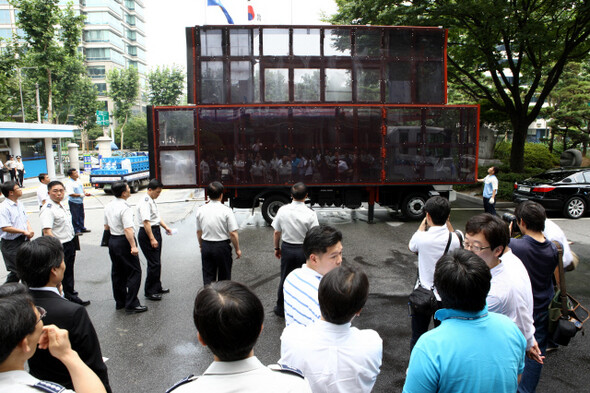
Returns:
point(473, 198)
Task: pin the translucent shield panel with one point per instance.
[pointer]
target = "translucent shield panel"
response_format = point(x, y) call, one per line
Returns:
point(178, 167)
point(276, 85)
point(307, 84)
point(368, 43)
point(176, 128)
point(337, 42)
point(368, 85)
point(306, 42)
point(399, 83)
point(211, 43)
point(338, 85)
point(275, 42)
point(242, 82)
point(212, 89)
point(240, 42)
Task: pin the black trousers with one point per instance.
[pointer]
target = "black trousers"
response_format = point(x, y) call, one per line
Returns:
point(69, 259)
point(125, 272)
point(216, 260)
point(420, 323)
point(489, 207)
point(21, 176)
point(77, 212)
point(292, 257)
point(9, 249)
point(12, 174)
point(153, 285)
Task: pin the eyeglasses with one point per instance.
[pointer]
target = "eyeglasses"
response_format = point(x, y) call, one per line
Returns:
point(42, 313)
point(473, 247)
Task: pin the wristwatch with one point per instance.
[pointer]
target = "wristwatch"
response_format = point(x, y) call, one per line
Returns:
point(277, 248)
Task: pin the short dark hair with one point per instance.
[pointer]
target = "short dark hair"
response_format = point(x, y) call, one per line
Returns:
point(493, 228)
point(71, 170)
point(298, 191)
point(462, 280)
point(228, 317)
point(35, 259)
point(42, 176)
point(17, 317)
point(342, 293)
point(496, 170)
point(54, 183)
point(215, 190)
point(319, 238)
point(154, 184)
point(533, 215)
point(118, 188)
point(439, 209)
point(7, 187)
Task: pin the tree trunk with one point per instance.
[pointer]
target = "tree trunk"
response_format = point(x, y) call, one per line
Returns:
point(520, 127)
point(49, 97)
point(565, 140)
point(551, 139)
point(122, 131)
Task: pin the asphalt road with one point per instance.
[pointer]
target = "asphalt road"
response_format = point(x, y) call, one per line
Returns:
point(151, 351)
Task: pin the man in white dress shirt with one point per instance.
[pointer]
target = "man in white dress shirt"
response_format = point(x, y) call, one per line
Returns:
point(216, 228)
point(488, 236)
point(334, 356)
point(291, 224)
point(42, 192)
point(150, 239)
point(228, 317)
point(126, 270)
point(323, 252)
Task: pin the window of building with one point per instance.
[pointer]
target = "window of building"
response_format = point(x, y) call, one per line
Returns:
point(5, 17)
point(5, 33)
point(101, 88)
point(96, 71)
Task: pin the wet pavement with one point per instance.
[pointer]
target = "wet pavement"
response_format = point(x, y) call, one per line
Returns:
point(149, 352)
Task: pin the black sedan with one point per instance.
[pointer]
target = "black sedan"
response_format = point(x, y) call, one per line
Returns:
point(562, 189)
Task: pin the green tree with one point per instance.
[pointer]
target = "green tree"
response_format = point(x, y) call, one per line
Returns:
point(136, 132)
point(52, 37)
point(507, 53)
point(124, 90)
point(10, 63)
point(84, 107)
point(165, 85)
point(569, 108)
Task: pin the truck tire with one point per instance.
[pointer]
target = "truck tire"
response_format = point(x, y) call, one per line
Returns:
point(134, 186)
point(271, 205)
point(412, 206)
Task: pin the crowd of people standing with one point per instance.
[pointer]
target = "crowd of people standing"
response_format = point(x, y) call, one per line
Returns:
point(490, 294)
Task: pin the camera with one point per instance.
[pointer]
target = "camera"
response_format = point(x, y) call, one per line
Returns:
point(510, 218)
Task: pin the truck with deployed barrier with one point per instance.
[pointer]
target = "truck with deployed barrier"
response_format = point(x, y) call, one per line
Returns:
point(358, 113)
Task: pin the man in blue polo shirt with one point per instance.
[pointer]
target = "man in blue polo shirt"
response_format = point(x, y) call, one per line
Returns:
point(472, 350)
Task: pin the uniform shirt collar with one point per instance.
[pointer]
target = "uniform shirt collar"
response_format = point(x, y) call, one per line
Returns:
point(238, 366)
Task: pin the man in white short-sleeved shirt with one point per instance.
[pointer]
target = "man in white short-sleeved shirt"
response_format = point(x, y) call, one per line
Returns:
point(216, 229)
point(291, 224)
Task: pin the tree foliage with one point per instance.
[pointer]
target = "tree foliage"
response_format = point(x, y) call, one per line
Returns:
point(165, 85)
point(569, 107)
point(124, 90)
point(508, 53)
point(52, 36)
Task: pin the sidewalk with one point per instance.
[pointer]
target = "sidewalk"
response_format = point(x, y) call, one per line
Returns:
point(31, 185)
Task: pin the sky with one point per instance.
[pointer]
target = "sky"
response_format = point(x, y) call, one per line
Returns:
point(166, 21)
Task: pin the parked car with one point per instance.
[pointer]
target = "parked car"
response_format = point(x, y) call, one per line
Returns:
point(561, 189)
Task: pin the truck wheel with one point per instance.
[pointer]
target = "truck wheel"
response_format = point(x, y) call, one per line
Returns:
point(271, 206)
point(413, 206)
point(134, 186)
point(574, 207)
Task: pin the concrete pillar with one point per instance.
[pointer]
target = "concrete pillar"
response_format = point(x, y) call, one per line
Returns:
point(14, 144)
point(49, 157)
point(104, 146)
point(60, 161)
point(73, 154)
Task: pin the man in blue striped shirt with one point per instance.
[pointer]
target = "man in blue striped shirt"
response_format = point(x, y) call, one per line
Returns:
point(323, 252)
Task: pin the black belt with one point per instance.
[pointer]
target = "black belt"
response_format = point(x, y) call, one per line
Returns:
point(292, 244)
point(16, 238)
point(215, 241)
point(117, 235)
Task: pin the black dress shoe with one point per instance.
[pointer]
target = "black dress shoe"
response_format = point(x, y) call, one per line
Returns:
point(164, 290)
point(85, 230)
point(136, 310)
point(79, 301)
point(154, 297)
point(119, 307)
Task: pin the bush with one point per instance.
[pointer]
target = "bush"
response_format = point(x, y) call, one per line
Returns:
point(536, 155)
